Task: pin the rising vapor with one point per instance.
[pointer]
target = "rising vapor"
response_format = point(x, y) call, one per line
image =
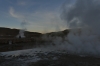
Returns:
point(82, 13)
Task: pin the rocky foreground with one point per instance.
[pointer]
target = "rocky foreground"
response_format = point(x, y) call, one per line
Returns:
point(49, 59)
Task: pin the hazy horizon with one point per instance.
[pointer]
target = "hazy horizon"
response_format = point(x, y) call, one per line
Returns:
point(34, 15)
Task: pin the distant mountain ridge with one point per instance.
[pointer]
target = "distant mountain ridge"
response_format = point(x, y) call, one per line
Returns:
point(11, 33)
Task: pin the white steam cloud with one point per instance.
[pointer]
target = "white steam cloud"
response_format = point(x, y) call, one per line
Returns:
point(22, 30)
point(79, 13)
point(84, 17)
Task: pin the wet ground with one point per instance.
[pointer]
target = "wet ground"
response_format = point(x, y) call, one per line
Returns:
point(18, 46)
point(49, 59)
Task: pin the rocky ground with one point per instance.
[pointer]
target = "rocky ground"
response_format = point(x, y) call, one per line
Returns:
point(49, 59)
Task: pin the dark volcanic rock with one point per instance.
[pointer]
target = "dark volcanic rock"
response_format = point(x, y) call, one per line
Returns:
point(11, 33)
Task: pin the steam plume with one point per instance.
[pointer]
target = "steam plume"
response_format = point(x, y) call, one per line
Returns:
point(79, 13)
point(21, 32)
point(84, 14)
